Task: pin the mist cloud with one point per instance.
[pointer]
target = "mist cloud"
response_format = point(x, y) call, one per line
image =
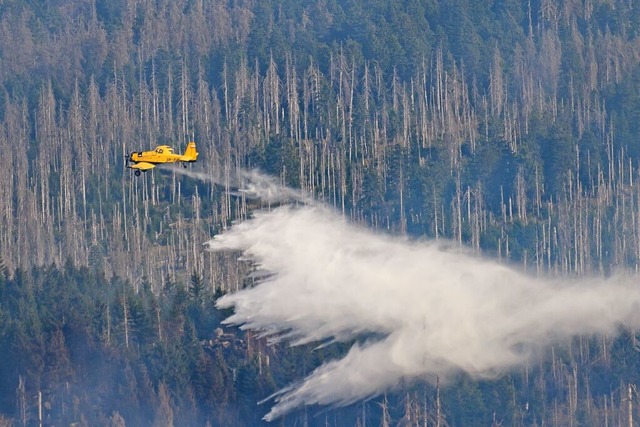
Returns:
point(436, 309)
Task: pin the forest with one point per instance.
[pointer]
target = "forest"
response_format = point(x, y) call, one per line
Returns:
point(509, 127)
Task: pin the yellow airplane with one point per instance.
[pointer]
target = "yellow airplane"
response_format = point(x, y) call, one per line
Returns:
point(145, 160)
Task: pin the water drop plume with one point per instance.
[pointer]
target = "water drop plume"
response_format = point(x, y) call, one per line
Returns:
point(418, 308)
point(251, 184)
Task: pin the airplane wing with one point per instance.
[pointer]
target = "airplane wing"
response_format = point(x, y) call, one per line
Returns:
point(143, 166)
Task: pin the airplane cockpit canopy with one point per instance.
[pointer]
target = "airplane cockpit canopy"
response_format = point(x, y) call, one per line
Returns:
point(164, 148)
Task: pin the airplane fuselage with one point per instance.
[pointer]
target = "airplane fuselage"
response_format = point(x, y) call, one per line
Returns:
point(145, 160)
point(162, 154)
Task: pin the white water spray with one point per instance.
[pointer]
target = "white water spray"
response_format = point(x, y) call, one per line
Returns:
point(252, 184)
point(437, 309)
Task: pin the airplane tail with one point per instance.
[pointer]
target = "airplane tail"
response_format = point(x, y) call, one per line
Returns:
point(190, 153)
